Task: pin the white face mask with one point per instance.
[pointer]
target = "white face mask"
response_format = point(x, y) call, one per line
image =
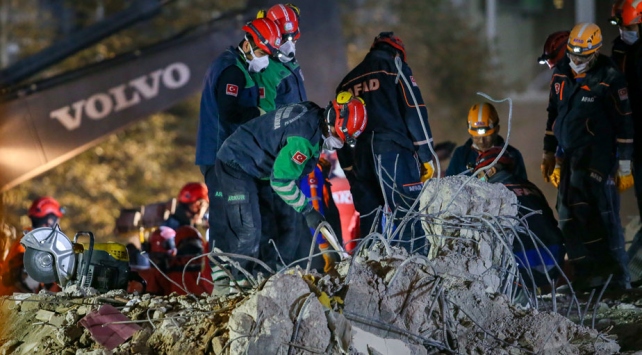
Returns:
point(288, 49)
point(256, 65)
point(579, 68)
point(629, 37)
point(331, 143)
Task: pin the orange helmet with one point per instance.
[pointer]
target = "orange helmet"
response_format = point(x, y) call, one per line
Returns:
point(482, 120)
point(626, 13)
point(286, 16)
point(585, 39)
point(554, 48)
point(390, 39)
point(348, 116)
point(192, 192)
point(43, 206)
point(265, 33)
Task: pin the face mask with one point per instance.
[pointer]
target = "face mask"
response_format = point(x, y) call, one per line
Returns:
point(629, 37)
point(288, 49)
point(331, 143)
point(256, 65)
point(579, 68)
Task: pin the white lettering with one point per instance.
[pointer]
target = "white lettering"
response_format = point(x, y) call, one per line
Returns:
point(119, 95)
point(101, 105)
point(63, 116)
point(95, 111)
point(182, 75)
point(342, 197)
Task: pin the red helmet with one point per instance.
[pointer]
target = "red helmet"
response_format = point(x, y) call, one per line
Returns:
point(348, 116)
point(554, 48)
point(392, 40)
point(265, 33)
point(162, 241)
point(286, 16)
point(485, 158)
point(187, 233)
point(192, 192)
point(44, 206)
point(626, 13)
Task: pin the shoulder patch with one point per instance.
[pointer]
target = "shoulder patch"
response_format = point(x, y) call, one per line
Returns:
point(557, 88)
point(623, 94)
point(232, 90)
point(262, 92)
point(412, 80)
point(299, 157)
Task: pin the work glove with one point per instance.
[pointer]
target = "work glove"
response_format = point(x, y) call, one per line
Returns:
point(548, 165)
point(329, 258)
point(312, 217)
point(427, 169)
point(624, 178)
point(556, 176)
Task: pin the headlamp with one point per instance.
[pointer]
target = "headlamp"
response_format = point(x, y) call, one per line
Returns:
point(615, 20)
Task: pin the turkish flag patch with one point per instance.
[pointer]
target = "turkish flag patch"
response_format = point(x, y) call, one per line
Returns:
point(232, 90)
point(299, 158)
point(412, 80)
point(262, 93)
point(623, 94)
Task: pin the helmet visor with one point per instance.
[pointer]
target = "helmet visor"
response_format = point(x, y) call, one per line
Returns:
point(581, 59)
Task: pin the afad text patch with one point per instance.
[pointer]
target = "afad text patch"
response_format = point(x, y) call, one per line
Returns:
point(299, 158)
point(623, 93)
point(232, 90)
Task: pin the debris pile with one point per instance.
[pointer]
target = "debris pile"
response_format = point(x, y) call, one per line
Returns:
point(381, 301)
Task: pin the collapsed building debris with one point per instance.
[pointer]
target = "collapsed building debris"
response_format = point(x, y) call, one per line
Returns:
point(459, 299)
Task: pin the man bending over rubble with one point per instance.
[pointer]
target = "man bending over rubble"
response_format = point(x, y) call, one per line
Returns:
point(280, 146)
point(531, 257)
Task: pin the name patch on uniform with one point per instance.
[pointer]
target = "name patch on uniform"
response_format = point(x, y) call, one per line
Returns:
point(557, 88)
point(232, 90)
point(588, 99)
point(623, 93)
point(262, 92)
point(299, 158)
point(412, 80)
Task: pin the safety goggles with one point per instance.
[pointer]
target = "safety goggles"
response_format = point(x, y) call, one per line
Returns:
point(580, 59)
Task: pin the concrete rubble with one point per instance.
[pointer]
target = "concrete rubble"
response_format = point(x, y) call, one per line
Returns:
point(381, 301)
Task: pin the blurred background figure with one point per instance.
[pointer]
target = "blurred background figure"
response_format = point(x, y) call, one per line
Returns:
point(193, 202)
point(44, 212)
point(196, 274)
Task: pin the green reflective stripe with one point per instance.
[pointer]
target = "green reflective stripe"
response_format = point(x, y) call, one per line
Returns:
point(282, 188)
point(300, 203)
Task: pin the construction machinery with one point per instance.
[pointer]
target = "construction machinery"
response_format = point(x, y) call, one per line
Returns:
point(50, 256)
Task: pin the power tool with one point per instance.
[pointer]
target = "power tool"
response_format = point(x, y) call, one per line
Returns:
point(51, 257)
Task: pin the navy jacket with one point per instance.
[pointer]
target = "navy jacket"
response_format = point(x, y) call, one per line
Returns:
point(229, 99)
point(465, 157)
point(393, 121)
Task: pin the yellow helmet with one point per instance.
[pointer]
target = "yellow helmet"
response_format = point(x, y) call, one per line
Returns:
point(585, 39)
point(482, 120)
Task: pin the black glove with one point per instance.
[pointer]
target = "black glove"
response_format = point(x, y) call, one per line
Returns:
point(312, 217)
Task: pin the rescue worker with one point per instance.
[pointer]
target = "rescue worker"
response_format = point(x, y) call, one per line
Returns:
point(281, 83)
point(192, 205)
point(627, 54)
point(589, 117)
point(162, 250)
point(193, 275)
point(281, 146)
point(395, 142)
point(230, 97)
point(483, 127)
point(44, 212)
point(533, 261)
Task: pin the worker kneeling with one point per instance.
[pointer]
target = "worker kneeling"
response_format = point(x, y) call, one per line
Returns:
point(280, 146)
point(536, 264)
point(185, 269)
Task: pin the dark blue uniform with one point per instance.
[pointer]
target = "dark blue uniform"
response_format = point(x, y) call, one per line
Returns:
point(279, 147)
point(590, 118)
point(532, 259)
point(229, 99)
point(465, 156)
point(393, 142)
